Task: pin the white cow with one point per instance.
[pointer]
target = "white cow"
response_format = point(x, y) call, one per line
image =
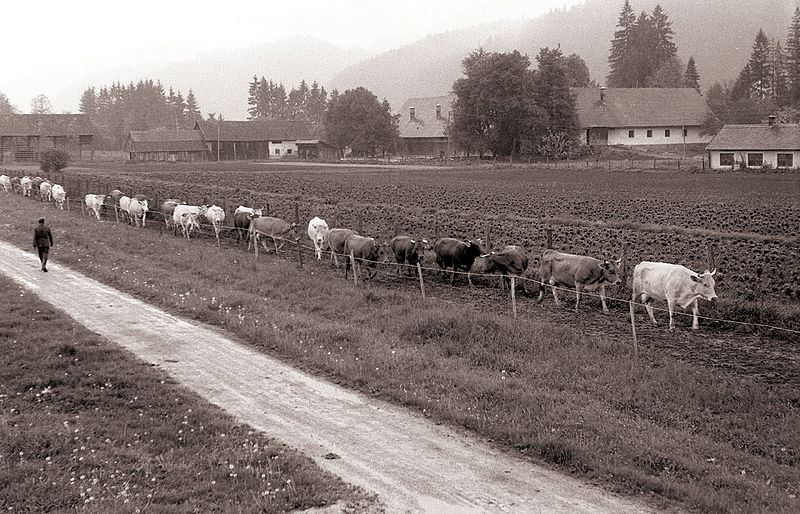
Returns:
point(124, 203)
point(45, 191)
point(58, 195)
point(317, 228)
point(27, 185)
point(137, 209)
point(186, 216)
point(5, 182)
point(674, 283)
point(216, 216)
point(94, 203)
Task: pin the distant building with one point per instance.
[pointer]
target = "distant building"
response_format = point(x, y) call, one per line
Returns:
point(640, 116)
point(753, 146)
point(311, 149)
point(423, 126)
point(23, 137)
point(254, 139)
point(166, 145)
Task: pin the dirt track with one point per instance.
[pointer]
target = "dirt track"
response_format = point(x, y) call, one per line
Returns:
point(413, 464)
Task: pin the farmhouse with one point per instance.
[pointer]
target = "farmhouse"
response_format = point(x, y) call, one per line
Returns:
point(770, 145)
point(23, 137)
point(166, 145)
point(253, 139)
point(423, 126)
point(640, 116)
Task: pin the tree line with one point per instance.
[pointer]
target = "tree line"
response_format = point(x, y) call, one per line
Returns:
point(268, 99)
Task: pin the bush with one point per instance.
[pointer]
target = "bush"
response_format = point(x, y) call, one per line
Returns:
point(53, 160)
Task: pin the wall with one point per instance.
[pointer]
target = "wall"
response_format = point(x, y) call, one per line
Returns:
point(283, 149)
point(740, 155)
point(619, 136)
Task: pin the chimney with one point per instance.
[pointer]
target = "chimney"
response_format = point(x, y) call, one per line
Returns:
point(771, 120)
point(602, 94)
point(411, 113)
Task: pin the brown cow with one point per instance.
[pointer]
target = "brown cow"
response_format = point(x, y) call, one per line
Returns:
point(459, 255)
point(334, 240)
point(408, 251)
point(512, 260)
point(578, 271)
point(273, 228)
point(364, 250)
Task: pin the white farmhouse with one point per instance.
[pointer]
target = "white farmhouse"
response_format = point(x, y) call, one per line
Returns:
point(640, 116)
point(773, 145)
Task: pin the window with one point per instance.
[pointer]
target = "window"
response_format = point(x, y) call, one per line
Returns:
point(726, 159)
point(631, 133)
point(755, 159)
point(412, 113)
point(438, 112)
point(685, 132)
point(785, 160)
point(666, 132)
point(277, 151)
point(649, 133)
point(289, 151)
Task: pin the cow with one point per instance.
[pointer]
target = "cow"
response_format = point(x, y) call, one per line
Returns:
point(674, 283)
point(167, 209)
point(363, 249)
point(186, 216)
point(408, 251)
point(334, 240)
point(511, 261)
point(124, 203)
point(137, 209)
point(46, 191)
point(452, 253)
point(27, 185)
point(216, 216)
point(269, 227)
point(115, 195)
point(94, 203)
point(581, 272)
point(5, 183)
point(16, 186)
point(59, 195)
point(317, 228)
point(36, 183)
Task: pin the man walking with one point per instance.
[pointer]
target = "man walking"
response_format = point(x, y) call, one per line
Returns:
point(42, 241)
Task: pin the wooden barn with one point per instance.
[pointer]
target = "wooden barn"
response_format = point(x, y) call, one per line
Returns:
point(423, 126)
point(23, 137)
point(166, 145)
point(316, 149)
point(253, 139)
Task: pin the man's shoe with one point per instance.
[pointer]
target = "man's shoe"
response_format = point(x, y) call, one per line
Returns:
point(44, 269)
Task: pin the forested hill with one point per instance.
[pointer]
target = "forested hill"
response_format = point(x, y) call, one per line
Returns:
point(718, 33)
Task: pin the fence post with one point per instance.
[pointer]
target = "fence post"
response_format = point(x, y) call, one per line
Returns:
point(710, 257)
point(513, 295)
point(355, 271)
point(654, 163)
point(488, 236)
point(266, 208)
point(633, 333)
point(421, 282)
point(360, 223)
point(299, 251)
point(549, 232)
point(679, 165)
point(435, 229)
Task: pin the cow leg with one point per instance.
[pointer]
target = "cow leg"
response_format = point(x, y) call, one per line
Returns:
point(671, 307)
point(469, 279)
point(347, 262)
point(603, 298)
point(695, 312)
point(648, 305)
point(578, 288)
point(555, 291)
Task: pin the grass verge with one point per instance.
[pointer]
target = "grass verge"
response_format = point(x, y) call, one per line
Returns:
point(675, 432)
point(85, 425)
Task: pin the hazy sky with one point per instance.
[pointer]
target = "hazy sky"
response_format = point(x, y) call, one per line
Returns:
point(54, 41)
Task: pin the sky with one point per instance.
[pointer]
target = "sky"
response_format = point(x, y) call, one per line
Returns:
point(57, 42)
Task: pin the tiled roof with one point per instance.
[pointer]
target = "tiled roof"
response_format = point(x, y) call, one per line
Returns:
point(255, 130)
point(45, 125)
point(757, 137)
point(639, 107)
point(165, 141)
point(425, 123)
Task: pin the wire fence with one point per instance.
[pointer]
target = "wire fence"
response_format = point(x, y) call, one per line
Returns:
point(231, 232)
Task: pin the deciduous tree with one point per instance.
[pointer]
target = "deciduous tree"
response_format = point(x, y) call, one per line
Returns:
point(356, 119)
point(40, 104)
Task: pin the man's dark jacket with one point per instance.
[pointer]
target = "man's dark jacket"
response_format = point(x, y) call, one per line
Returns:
point(42, 238)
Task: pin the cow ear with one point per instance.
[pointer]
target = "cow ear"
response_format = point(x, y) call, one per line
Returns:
point(412, 241)
point(468, 243)
point(695, 278)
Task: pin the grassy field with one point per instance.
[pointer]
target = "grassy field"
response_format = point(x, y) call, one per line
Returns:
point(86, 426)
point(675, 432)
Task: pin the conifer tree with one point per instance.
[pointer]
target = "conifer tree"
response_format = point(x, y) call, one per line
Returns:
point(793, 60)
point(691, 78)
point(760, 67)
point(192, 109)
point(88, 105)
point(620, 46)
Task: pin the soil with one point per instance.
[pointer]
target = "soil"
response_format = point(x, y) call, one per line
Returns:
point(411, 463)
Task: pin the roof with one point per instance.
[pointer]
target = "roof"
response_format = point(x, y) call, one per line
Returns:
point(757, 137)
point(425, 123)
point(165, 141)
point(312, 142)
point(255, 130)
point(639, 107)
point(46, 125)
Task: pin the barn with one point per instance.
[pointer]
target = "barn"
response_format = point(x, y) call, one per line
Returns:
point(423, 126)
point(253, 139)
point(23, 137)
point(166, 145)
point(316, 149)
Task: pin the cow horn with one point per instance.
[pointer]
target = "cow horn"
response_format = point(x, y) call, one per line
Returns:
point(486, 255)
point(412, 241)
point(714, 272)
point(424, 241)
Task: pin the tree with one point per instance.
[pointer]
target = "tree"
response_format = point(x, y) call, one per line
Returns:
point(5, 106)
point(253, 99)
point(88, 105)
point(726, 106)
point(664, 48)
point(760, 67)
point(192, 109)
point(793, 59)
point(356, 120)
point(620, 47)
point(576, 71)
point(40, 104)
point(669, 74)
point(53, 160)
point(778, 80)
point(690, 77)
point(552, 96)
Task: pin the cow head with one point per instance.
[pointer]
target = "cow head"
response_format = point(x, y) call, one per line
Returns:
point(257, 213)
point(612, 271)
point(703, 285)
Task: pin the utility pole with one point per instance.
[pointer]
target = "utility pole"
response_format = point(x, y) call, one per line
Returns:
point(219, 121)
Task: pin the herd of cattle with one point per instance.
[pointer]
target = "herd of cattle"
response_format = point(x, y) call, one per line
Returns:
point(673, 283)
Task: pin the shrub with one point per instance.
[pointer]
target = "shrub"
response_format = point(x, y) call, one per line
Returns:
point(53, 160)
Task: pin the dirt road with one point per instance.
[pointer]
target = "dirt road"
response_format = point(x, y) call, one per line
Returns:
point(411, 463)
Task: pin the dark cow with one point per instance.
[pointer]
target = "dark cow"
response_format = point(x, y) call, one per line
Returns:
point(459, 255)
point(334, 240)
point(512, 260)
point(275, 229)
point(578, 271)
point(241, 222)
point(365, 250)
point(408, 251)
point(16, 185)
